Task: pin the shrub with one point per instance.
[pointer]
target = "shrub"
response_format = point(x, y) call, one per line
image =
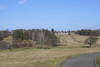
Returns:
point(91, 40)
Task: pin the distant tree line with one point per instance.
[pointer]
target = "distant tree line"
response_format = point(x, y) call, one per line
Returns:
point(43, 37)
point(88, 32)
point(4, 34)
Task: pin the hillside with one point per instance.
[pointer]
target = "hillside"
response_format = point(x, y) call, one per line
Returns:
point(73, 40)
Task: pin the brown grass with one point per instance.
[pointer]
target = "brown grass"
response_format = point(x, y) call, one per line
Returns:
point(39, 57)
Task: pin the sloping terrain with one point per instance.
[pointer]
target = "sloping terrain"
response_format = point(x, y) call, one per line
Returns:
point(71, 40)
point(33, 57)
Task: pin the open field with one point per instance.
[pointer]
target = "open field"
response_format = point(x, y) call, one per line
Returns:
point(39, 57)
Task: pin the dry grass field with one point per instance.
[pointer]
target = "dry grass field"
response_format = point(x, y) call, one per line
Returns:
point(39, 57)
point(31, 57)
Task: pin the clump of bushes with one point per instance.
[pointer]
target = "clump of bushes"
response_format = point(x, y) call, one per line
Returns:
point(4, 34)
point(91, 40)
point(25, 38)
point(88, 32)
point(23, 43)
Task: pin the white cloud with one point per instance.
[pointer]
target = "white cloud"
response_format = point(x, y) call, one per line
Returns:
point(22, 1)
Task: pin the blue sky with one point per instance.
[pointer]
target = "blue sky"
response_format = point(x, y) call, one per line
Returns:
point(57, 14)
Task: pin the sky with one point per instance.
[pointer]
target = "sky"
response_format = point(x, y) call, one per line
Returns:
point(47, 14)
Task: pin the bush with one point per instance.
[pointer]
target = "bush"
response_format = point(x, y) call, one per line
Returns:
point(91, 40)
point(42, 37)
point(23, 43)
point(4, 34)
point(88, 32)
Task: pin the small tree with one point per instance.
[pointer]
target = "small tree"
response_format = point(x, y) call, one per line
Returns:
point(18, 34)
point(69, 32)
point(91, 40)
point(52, 30)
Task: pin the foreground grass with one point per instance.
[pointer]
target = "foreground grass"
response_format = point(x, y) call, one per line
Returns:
point(98, 61)
point(40, 57)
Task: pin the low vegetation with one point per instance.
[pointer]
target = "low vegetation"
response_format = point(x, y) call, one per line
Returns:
point(98, 61)
point(91, 40)
point(40, 38)
point(88, 32)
